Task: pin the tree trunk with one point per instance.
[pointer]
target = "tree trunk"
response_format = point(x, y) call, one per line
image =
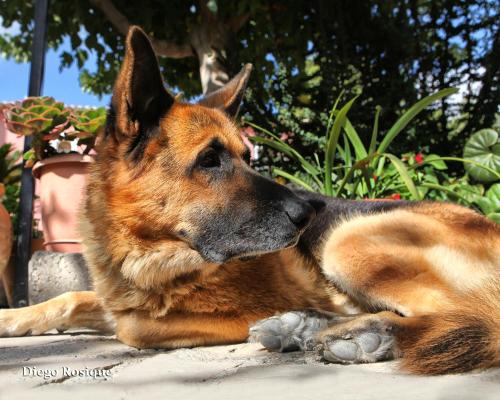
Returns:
point(209, 40)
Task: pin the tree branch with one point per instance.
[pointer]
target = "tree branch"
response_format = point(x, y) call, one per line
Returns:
point(162, 48)
point(237, 22)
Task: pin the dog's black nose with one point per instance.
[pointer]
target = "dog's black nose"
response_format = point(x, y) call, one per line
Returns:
point(299, 212)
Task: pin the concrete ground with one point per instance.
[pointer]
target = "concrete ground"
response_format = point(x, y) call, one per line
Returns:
point(244, 371)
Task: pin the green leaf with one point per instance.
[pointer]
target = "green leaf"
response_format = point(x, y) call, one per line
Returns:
point(495, 173)
point(406, 118)
point(333, 111)
point(493, 194)
point(292, 178)
point(289, 151)
point(446, 190)
point(405, 176)
point(373, 140)
point(357, 144)
point(435, 161)
point(486, 205)
point(495, 217)
point(332, 145)
point(30, 154)
point(483, 147)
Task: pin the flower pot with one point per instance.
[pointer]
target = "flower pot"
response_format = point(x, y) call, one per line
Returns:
point(62, 183)
point(37, 244)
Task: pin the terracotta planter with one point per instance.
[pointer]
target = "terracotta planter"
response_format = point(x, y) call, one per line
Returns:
point(37, 244)
point(62, 182)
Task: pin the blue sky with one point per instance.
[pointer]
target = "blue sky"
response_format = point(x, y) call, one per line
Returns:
point(63, 86)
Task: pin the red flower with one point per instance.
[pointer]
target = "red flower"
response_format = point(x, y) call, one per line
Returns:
point(395, 196)
point(419, 158)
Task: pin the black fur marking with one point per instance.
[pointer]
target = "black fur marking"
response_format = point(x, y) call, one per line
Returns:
point(138, 144)
point(110, 121)
point(458, 350)
point(225, 168)
point(331, 211)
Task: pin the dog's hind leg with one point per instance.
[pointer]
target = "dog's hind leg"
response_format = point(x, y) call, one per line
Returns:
point(69, 310)
point(432, 271)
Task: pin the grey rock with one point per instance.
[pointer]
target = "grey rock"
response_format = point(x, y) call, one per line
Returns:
point(52, 273)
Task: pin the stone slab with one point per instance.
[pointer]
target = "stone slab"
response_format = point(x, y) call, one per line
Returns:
point(241, 372)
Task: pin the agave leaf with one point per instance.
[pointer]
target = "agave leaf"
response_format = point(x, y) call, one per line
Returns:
point(353, 136)
point(289, 151)
point(333, 139)
point(406, 118)
point(292, 178)
point(373, 140)
point(405, 176)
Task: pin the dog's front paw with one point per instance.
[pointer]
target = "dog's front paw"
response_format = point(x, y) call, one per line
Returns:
point(12, 325)
point(371, 343)
point(294, 330)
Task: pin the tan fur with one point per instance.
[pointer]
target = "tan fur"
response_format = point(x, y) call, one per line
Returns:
point(427, 270)
point(439, 266)
point(6, 272)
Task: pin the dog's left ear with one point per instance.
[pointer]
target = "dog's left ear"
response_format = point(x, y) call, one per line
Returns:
point(228, 98)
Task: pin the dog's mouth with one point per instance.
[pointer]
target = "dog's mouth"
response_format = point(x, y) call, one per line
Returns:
point(220, 253)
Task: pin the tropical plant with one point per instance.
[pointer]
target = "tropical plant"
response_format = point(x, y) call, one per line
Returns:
point(489, 204)
point(347, 168)
point(484, 148)
point(53, 126)
point(399, 51)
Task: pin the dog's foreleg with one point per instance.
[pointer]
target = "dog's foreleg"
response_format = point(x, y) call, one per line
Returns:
point(179, 329)
point(69, 310)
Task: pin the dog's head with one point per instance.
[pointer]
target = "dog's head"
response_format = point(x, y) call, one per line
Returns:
point(175, 171)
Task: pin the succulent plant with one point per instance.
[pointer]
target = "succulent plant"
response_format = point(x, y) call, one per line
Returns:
point(46, 119)
point(36, 115)
point(86, 123)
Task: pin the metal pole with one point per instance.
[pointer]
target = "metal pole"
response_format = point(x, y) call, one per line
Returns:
point(23, 248)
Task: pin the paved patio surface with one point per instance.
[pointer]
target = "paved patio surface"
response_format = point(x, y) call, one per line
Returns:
point(244, 371)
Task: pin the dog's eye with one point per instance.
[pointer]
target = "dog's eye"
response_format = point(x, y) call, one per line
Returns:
point(209, 159)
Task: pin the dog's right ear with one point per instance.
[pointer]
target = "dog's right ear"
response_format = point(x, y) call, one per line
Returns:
point(139, 96)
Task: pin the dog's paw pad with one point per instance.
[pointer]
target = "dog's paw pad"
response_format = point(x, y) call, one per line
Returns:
point(369, 342)
point(271, 342)
point(344, 350)
point(291, 331)
point(364, 347)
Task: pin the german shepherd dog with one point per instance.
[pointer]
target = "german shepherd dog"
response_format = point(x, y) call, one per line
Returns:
point(188, 246)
